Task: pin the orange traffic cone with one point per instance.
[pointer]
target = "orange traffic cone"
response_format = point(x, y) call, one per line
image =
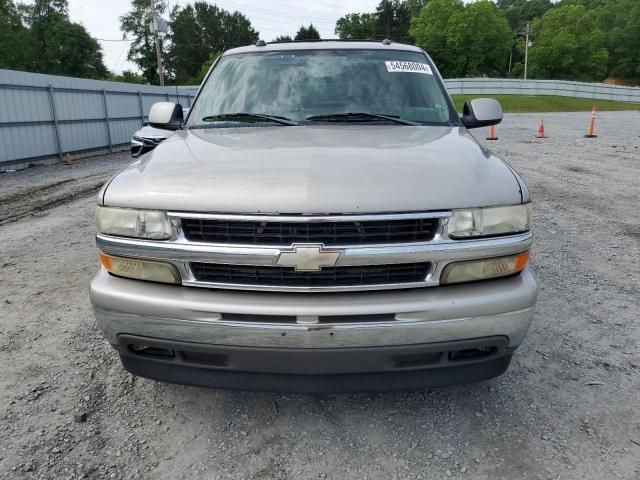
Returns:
point(592, 124)
point(492, 133)
point(540, 133)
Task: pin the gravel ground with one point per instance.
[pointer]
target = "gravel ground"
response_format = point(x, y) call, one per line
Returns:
point(34, 190)
point(566, 409)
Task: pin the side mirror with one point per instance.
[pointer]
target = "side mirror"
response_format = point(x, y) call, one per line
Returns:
point(481, 112)
point(166, 115)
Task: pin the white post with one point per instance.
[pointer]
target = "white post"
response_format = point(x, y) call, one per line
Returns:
point(526, 50)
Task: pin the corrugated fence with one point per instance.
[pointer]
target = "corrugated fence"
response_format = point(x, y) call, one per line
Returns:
point(44, 117)
point(498, 86)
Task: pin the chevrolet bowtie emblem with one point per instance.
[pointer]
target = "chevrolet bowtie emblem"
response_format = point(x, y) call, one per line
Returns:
point(308, 258)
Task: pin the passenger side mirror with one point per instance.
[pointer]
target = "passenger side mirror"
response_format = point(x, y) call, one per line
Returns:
point(166, 115)
point(481, 112)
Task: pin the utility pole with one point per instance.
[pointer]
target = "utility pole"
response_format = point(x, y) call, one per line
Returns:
point(526, 49)
point(156, 39)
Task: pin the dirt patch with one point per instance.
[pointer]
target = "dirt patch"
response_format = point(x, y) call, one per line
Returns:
point(32, 191)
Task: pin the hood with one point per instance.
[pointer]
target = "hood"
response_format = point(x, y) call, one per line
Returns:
point(152, 132)
point(316, 170)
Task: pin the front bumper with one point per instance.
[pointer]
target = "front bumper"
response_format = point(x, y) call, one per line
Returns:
point(491, 316)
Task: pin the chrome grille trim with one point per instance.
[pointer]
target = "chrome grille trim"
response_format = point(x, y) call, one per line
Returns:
point(309, 218)
point(441, 250)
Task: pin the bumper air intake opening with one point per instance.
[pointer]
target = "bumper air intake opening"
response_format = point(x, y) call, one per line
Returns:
point(149, 351)
point(472, 353)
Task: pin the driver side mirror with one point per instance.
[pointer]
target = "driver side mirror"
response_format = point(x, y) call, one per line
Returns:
point(481, 112)
point(166, 115)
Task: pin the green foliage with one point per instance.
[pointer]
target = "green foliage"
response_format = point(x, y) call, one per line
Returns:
point(479, 38)
point(464, 41)
point(283, 38)
point(415, 6)
point(354, 26)
point(431, 29)
point(307, 33)
point(620, 20)
point(39, 37)
point(128, 77)
point(199, 33)
point(519, 12)
point(572, 39)
point(391, 19)
point(15, 39)
point(568, 45)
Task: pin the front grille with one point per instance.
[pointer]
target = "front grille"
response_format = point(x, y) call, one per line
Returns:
point(327, 277)
point(329, 233)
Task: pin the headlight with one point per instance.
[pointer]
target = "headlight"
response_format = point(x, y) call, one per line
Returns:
point(141, 269)
point(124, 222)
point(490, 221)
point(472, 270)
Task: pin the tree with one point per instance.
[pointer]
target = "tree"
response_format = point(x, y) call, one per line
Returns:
point(128, 77)
point(480, 39)
point(46, 8)
point(283, 38)
point(620, 21)
point(519, 12)
point(392, 19)
point(142, 51)
point(356, 26)
point(15, 41)
point(430, 30)
point(415, 6)
point(307, 33)
point(201, 31)
point(568, 45)
point(39, 37)
point(469, 40)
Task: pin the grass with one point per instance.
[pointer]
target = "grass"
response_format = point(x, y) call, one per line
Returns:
point(523, 103)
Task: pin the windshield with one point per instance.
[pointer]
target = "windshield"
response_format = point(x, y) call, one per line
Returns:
point(301, 85)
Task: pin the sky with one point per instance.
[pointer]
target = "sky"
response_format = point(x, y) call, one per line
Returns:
point(270, 17)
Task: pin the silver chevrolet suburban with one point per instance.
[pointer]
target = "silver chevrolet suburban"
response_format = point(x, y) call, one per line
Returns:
point(322, 220)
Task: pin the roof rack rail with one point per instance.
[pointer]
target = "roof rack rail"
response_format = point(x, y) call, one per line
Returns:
point(386, 41)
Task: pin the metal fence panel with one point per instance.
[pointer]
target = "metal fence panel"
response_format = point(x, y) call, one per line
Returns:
point(511, 86)
point(43, 116)
point(27, 142)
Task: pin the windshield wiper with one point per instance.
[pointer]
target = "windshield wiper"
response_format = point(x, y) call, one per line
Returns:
point(249, 117)
point(346, 117)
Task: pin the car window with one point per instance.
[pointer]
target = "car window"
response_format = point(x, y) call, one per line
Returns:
point(302, 84)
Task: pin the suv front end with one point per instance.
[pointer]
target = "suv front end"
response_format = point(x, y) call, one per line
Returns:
point(220, 267)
